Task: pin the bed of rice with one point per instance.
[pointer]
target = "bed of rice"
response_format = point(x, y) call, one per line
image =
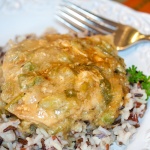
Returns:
point(84, 136)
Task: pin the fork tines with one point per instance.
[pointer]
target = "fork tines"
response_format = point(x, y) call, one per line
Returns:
point(79, 19)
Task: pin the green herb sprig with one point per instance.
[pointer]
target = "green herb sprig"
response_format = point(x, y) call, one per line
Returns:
point(135, 76)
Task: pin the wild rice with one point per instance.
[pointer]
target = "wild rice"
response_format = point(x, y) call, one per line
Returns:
point(83, 136)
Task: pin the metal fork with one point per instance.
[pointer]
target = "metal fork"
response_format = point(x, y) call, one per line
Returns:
point(80, 20)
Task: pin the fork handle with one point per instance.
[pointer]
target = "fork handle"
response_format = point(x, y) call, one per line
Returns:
point(145, 37)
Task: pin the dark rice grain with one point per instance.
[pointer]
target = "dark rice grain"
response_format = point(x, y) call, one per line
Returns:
point(1, 140)
point(138, 95)
point(43, 144)
point(107, 146)
point(22, 141)
point(10, 128)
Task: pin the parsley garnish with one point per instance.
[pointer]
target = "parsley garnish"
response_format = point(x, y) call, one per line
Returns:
point(138, 77)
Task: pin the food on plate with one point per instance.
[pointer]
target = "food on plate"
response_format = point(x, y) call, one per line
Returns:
point(61, 92)
point(136, 76)
point(58, 80)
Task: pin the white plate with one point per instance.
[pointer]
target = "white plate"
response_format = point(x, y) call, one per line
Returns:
point(19, 17)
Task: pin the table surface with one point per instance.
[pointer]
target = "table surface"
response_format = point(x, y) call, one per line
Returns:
point(139, 5)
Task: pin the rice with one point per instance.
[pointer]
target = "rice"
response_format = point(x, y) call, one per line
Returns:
point(83, 136)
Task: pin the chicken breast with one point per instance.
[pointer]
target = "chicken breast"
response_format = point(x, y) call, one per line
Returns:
point(58, 80)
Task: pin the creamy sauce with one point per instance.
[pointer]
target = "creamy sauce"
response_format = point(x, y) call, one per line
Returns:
point(58, 79)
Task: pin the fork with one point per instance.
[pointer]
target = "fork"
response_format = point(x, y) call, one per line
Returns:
point(81, 20)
